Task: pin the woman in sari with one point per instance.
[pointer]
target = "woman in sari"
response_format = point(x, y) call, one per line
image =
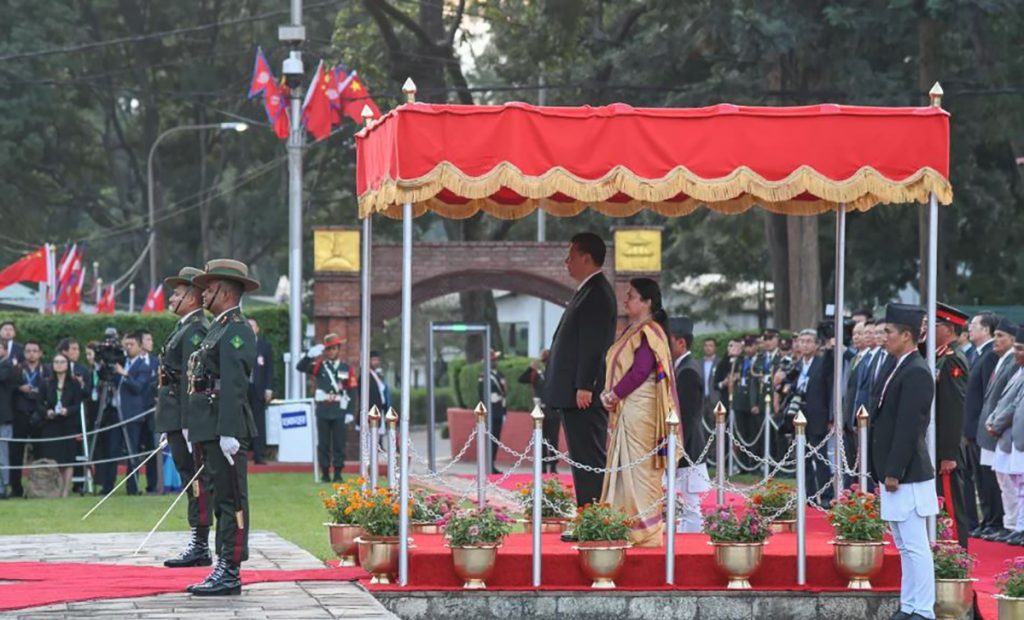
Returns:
point(640, 394)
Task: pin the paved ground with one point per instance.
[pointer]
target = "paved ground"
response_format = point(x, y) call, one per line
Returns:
point(265, 600)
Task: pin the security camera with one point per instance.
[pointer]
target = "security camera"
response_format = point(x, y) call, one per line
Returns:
point(292, 68)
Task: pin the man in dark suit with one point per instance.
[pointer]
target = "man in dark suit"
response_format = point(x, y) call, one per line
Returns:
point(72, 350)
point(135, 394)
point(900, 459)
point(26, 402)
point(980, 482)
point(950, 389)
point(496, 400)
point(692, 476)
point(534, 376)
point(9, 378)
point(707, 376)
point(815, 382)
point(380, 393)
point(577, 364)
point(15, 351)
point(261, 391)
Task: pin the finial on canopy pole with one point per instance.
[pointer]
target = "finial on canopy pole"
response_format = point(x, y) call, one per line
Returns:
point(935, 94)
point(367, 114)
point(409, 88)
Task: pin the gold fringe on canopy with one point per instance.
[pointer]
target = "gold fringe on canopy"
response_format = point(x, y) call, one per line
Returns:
point(734, 193)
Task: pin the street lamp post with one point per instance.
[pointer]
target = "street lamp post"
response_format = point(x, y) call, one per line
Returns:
point(239, 127)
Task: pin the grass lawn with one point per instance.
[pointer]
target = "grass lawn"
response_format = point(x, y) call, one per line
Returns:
point(286, 504)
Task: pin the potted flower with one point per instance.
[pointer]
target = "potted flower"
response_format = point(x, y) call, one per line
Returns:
point(739, 539)
point(428, 509)
point(602, 532)
point(377, 511)
point(858, 547)
point(776, 504)
point(1011, 589)
point(944, 526)
point(954, 588)
point(342, 530)
point(474, 537)
point(557, 506)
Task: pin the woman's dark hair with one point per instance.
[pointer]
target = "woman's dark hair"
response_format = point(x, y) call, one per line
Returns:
point(649, 290)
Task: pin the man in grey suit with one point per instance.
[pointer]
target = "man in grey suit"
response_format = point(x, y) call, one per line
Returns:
point(707, 377)
point(576, 365)
point(1004, 370)
point(1000, 425)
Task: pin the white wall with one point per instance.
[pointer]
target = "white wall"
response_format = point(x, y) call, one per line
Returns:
point(513, 308)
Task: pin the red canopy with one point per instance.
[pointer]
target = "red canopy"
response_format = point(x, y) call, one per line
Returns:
point(509, 160)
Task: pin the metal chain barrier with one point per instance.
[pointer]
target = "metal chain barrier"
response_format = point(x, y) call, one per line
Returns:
point(78, 463)
point(77, 435)
point(431, 475)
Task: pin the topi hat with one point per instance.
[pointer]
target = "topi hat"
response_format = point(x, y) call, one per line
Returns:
point(1005, 325)
point(333, 340)
point(226, 269)
point(185, 276)
point(681, 326)
point(948, 314)
point(904, 314)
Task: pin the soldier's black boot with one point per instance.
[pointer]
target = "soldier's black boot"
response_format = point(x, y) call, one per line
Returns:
point(226, 580)
point(197, 553)
point(213, 576)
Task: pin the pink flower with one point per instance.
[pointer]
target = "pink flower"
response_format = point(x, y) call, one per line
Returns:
point(474, 530)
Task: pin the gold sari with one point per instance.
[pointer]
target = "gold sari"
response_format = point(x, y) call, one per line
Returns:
point(639, 424)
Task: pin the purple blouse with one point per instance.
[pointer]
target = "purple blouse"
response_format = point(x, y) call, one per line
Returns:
point(643, 366)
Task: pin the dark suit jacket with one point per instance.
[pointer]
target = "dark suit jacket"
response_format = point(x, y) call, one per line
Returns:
point(70, 398)
point(977, 381)
point(722, 374)
point(137, 389)
point(9, 379)
point(16, 352)
point(818, 399)
point(878, 382)
point(581, 341)
point(690, 387)
point(25, 404)
point(382, 403)
point(899, 428)
point(262, 374)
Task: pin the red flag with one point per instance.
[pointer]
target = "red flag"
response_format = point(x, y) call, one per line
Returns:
point(262, 76)
point(316, 109)
point(29, 268)
point(341, 80)
point(69, 288)
point(107, 304)
point(354, 97)
point(154, 300)
point(275, 102)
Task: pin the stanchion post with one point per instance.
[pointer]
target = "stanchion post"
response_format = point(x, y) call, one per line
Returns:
point(482, 443)
point(862, 446)
point(391, 419)
point(374, 418)
point(670, 500)
point(720, 465)
point(87, 470)
point(800, 426)
point(767, 429)
point(538, 459)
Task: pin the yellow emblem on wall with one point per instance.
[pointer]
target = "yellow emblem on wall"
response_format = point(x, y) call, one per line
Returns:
point(336, 250)
point(637, 250)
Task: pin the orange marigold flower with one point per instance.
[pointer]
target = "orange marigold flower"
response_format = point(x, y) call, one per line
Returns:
point(872, 515)
point(756, 499)
point(394, 508)
point(854, 518)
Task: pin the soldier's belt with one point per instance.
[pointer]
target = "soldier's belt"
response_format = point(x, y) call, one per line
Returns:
point(168, 376)
point(205, 385)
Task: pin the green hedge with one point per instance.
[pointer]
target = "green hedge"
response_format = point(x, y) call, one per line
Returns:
point(50, 330)
point(444, 397)
point(520, 395)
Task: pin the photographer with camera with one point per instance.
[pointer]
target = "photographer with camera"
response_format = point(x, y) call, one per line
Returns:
point(135, 382)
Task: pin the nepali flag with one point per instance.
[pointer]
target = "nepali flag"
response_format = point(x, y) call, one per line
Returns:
point(262, 76)
point(155, 300)
point(69, 282)
point(341, 81)
point(107, 302)
point(275, 102)
point(354, 97)
point(29, 268)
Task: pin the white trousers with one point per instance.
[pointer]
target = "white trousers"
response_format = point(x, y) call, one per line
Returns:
point(690, 519)
point(1018, 483)
point(1009, 492)
point(917, 586)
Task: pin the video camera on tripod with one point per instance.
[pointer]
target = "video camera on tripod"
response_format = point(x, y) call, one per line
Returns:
point(109, 354)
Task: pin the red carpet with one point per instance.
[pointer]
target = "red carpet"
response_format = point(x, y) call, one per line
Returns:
point(43, 583)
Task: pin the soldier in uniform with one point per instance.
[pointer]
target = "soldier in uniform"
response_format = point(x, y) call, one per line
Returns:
point(900, 459)
point(950, 390)
point(220, 369)
point(497, 404)
point(766, 363)
point(334, 405)
point(175, 407)
point(745, 405)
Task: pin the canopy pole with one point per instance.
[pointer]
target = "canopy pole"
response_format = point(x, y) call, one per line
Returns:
point(409, 88)
point(837, 351)
point(933, 257)
point(364, 338)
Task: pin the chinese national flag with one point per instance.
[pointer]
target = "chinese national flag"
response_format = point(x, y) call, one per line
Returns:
point(316, 110)
point(262, 76)
point(275, 102)
point(29, 268)
point(354, 97)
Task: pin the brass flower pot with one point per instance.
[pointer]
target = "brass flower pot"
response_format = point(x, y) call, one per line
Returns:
point(953, 597)
point(425, 527)
point(858, 561)
point(1010, 608)
point(782, 526)
point(378, 555)
point(343, 542)
point(602, 562)
point(474, 564)
point(738, 561)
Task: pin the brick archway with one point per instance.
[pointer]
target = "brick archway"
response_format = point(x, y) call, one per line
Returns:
point(526, 267)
